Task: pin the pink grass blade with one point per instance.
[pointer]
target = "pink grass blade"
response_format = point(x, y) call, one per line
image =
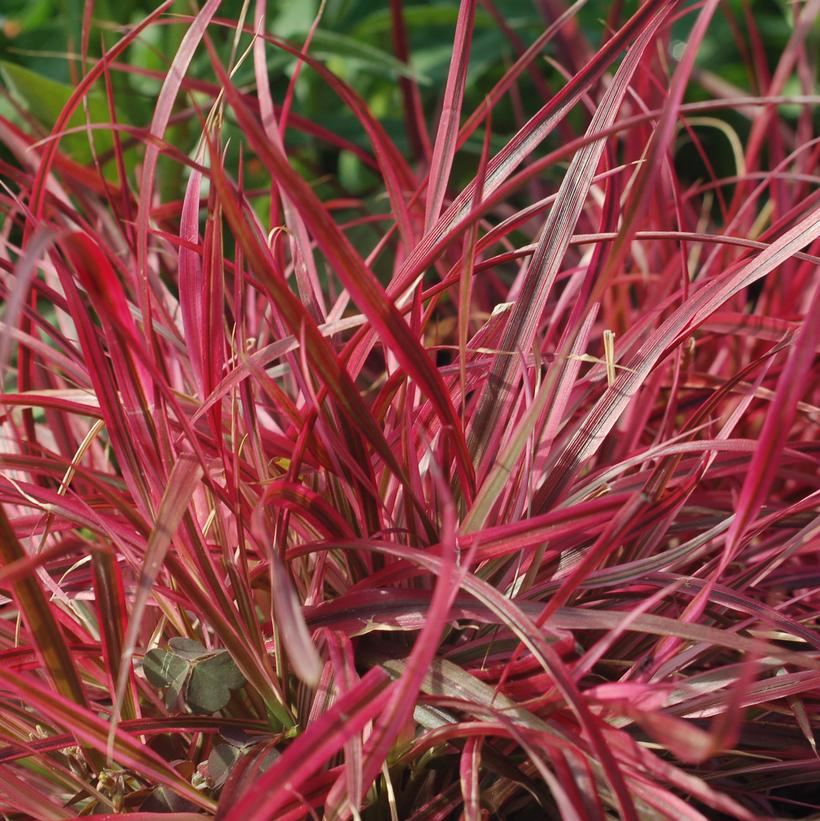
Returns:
point(39, 185)
point(182, 482)
point(790, 387)
point(521, 145)
point(111, 399)
point(27, 798)
point(25, 271)
point(504, 463)
point(444, 146)
point(323, 360)
point(100, 281)
point(526, 632)
point(305, 756)
point(524, 62)
point(304, 265)
point(414, 123)
point(159, 122)
point(662, 136)
point(407, 611)
point(523, 321)
point(672, 512)
point(49, 639)
point(465, 286)
point(602, 418)
point(191, 282)
point(399, 708)
point(360, 281)
point(93, 731)
point(469, 771)
point(291, 625)
point(770, 446)
point(146, 816)
point(109, 600)
point(397, 175)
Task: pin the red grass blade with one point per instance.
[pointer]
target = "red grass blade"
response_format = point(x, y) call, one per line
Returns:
point(48, 638)
point(444, 147)
point(239, 400)
point(183, 480)
point(93, 732)
point(519, 332)
point(275, 788)
point(790, 387)
point(712, 295)
point(362, 284)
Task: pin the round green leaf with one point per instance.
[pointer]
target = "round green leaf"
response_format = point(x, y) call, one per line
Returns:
point(210, 684)
point(187, 648)
point(221, 762)
point(162, 668)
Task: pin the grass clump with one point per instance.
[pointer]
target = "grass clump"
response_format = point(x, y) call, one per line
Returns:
point(411, 430)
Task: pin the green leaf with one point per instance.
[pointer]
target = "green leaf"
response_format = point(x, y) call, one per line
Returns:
point(221, 762)
point(210, 684)
point(331, 44)
point(240, 739)
point(187, 648)
point(162, 668)
point(44, 99)
point(164, 800)
point(207, 676)
point(441, 16)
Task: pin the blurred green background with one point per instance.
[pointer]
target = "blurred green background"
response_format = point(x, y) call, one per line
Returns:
point(39, 41)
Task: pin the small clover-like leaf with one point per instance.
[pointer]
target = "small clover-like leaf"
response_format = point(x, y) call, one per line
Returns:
point(211, 681)
point(175, 688)
point(187, 648)
point(237, 737)
point(165, 800)
point(221, 762)
point(162, 668)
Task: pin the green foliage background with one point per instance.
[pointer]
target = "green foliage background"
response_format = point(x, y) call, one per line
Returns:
point(354, 39)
